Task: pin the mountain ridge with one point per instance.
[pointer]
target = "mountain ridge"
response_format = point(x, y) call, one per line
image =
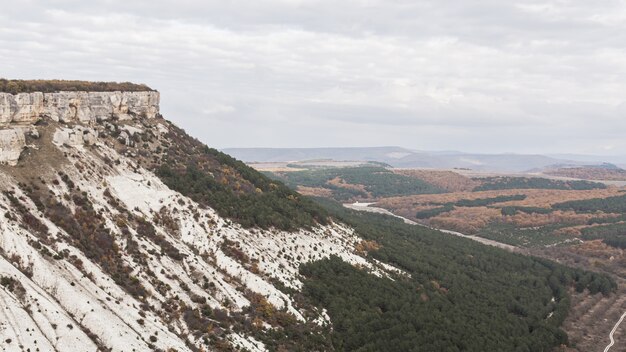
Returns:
point(404, 158)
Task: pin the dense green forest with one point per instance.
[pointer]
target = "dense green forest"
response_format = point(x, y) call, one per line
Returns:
point(483, 202)
point(506, 182)
point(51, 86)
point(613, 234)
point(460, 295)
point(235, 190)
point(535, 236)
point(429, 213)
point(375, 181)
point(615, 204)
point(512, 210)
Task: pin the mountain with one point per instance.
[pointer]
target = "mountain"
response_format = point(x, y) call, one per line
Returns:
point(98, 253)
point(403, 158)
point(303, 154)
point(603, 172)
point(120, 232)
point(619, 160)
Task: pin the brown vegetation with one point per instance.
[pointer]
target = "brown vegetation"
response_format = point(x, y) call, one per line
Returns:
point(366, 246)
point(534, 197)
point(466, 220)
point(471, 219)
point(522, 219)
point(315, 191)
point(339, 182)
point(448, 180)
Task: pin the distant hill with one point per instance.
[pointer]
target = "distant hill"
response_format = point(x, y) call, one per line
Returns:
point(303, 154)
point(605, 172)
point(405, 158)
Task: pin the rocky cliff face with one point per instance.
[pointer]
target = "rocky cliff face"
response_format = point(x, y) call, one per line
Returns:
point(28, 108)
point(97, 253)
point(12, 142)
point(21, 111)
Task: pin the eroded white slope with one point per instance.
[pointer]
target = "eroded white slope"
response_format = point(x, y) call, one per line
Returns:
point(222, 263)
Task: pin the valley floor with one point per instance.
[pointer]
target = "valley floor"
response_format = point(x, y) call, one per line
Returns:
point(592, 318)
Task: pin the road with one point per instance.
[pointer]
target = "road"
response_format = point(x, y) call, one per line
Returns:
point(608, 347)
point(367, 207)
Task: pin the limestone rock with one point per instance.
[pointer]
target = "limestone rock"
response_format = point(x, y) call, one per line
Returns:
point(28, 108)
point(8, 108)
point(20, 112)
point(12, 142)
point(76, 137)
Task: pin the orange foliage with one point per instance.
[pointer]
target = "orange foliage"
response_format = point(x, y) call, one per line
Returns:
point(466, 220)
point(366, 246)
point(315, 191)
point(339, 182)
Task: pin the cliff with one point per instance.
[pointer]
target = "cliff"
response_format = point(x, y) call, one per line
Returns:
point(109, 243)
point(20, 112)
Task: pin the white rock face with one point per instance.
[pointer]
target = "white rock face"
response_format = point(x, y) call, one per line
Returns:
point(12, 143)
point(28, 108)
point(75, 137)
point(19, 112)
point(63, 306)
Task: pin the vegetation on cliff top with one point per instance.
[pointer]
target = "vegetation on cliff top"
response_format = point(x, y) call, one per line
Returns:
point(15, 86)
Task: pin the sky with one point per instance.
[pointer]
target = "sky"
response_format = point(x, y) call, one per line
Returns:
point(486, 76)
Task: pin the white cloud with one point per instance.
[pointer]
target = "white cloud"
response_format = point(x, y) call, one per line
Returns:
point(477, 76)
point(217, 108)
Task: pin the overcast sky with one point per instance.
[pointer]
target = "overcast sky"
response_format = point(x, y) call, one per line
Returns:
point(479, 76)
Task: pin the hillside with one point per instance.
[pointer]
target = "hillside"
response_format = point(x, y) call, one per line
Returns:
point(121, 232)
point(353, 183)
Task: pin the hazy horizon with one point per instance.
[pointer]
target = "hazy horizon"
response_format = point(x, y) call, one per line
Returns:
point(533, 77)
point(617, 155)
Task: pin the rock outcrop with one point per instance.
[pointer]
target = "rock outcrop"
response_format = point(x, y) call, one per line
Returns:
point(12, 142)
point(75, 137)
point(26, 109)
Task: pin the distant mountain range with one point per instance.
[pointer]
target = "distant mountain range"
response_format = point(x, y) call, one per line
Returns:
point(405, 158)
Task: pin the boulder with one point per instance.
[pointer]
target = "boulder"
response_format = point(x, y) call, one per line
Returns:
point(12, 142)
